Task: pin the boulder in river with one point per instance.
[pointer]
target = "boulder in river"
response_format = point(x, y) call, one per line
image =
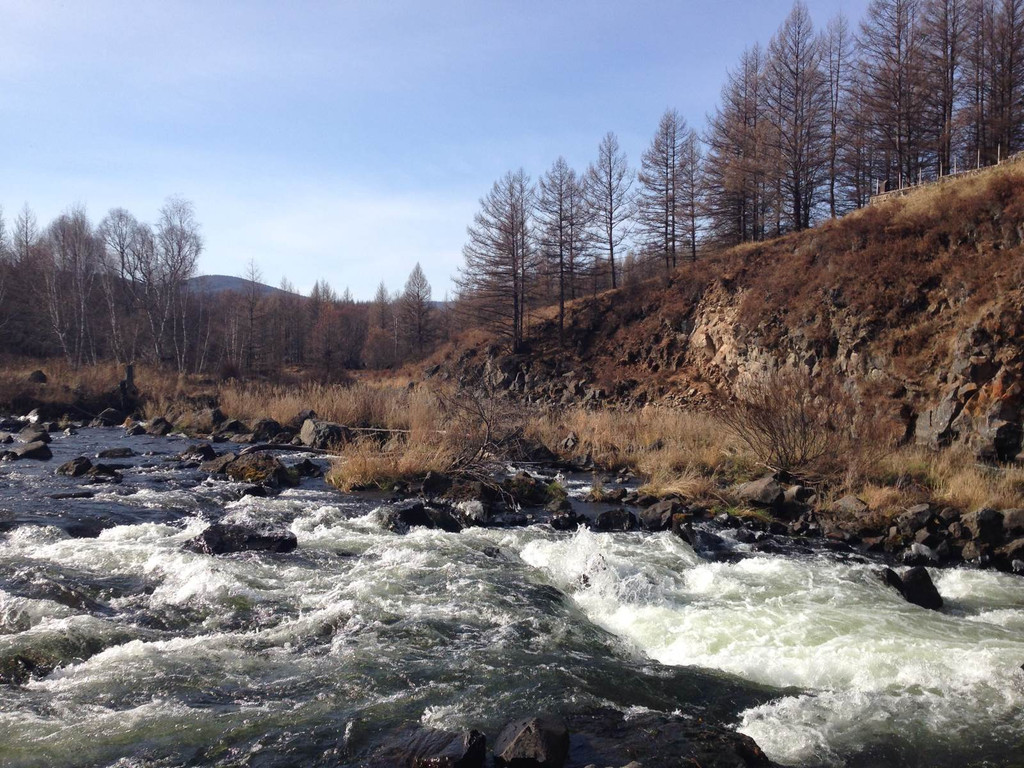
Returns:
point(265, 430)
point(534, 741)
point(34, 433)
point(218, 465)
point(75, 468)
point(223, 538)
point(432, 748)
point(259, 468)
point(109, 417)
point(35, 450)
point(658, 517)
point(115, 453)
point(323, 435)
point(915, 585)
point(415, 514)
point(654, 740)
point(615, 520)
point(159, 427)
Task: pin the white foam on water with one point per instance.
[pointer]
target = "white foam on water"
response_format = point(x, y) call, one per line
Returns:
point(872, 664)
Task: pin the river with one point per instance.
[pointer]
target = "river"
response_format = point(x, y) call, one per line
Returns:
point(151, 655)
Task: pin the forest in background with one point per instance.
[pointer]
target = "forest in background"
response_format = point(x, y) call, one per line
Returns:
point(807, 129)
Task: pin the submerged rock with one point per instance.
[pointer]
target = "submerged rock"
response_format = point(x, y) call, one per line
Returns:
point(653, 740)
point(432, 748)
point(535, 741)
point(223, 538)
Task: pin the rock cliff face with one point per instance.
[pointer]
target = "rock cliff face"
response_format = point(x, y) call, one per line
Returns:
point(916, 304)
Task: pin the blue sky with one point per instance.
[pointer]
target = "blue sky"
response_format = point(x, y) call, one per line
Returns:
point(342, 140)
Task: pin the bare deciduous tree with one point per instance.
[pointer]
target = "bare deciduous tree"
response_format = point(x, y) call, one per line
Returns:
point(500, 258)
point(416, 313)
point(609, 185)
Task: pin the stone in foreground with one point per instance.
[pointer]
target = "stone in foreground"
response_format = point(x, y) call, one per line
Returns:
point(433, 748)
point(536, 742)
point(224, 538)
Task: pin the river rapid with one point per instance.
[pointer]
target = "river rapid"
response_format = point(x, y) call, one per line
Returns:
point(151, 655)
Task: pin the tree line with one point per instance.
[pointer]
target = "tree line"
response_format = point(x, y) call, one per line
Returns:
point(123, 290)
point(807, 128)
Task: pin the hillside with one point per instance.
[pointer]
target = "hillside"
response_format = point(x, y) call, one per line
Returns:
point(215, 284)
point(914, 302)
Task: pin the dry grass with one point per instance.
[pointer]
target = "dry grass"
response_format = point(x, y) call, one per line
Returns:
point(366, 463)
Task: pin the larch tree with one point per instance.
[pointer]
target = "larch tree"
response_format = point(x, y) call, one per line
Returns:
point(1007, 99)
point(416, 311)
point(734, 168)
point(891, 74)
point(609, 190)
point(499, 258)
point(659, 198)
point(837, 59)
point(798, 106)
point(943, 33)
point(562, 231)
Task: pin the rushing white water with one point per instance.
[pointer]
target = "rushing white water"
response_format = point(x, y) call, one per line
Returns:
point(884, 682)
point(147, 654)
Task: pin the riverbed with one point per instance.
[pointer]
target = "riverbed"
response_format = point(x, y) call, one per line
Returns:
point(152, 655)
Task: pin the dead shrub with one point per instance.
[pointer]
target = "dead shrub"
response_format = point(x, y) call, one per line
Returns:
point(807, 425)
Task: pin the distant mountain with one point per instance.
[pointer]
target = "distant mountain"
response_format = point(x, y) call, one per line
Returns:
point(214, 284)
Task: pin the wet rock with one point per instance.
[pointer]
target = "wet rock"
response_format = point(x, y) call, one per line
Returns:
point(615, 520)
point(217, 466)
point(658, 517)
point(915, 586)
point(37, 377)
point(224, 538)
point(34, 434)
point(765, 492)
point(323, 435)
point(306, 468)
point(919, 589)
point(653, 740)
point(134, 430)
point(259, 468)
point(75, 468)
point(435, 484)
point(116, 453)
point(432, 748)
point(203, 452)
point(915, 519)
point(527, 490)
point(536, 741)
point(159, 427)
point(985, 525)
point(921, 554)
point(232, 427)
point(558, 506)
point(400, 517)
point(109, 417)
point(35, 450)
point(265, 430)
